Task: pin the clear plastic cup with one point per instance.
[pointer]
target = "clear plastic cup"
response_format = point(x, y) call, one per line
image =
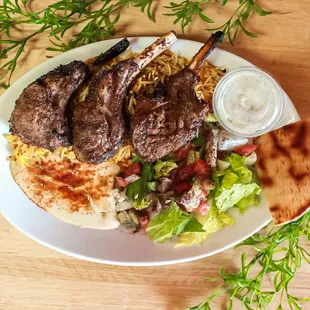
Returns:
point(248, 102)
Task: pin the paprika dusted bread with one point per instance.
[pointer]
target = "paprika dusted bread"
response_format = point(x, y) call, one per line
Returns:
point(74, 192)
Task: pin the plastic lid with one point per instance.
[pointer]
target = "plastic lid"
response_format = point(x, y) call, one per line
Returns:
point(248, 102)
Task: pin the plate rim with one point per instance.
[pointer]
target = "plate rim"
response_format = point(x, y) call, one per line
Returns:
point(133, 264)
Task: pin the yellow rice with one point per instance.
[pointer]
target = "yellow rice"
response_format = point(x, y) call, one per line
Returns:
point(158, 71)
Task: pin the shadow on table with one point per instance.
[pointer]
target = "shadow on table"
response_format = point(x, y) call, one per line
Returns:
point(188, 288)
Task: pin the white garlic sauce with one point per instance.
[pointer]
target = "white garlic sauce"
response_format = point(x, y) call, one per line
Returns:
point(247, 104)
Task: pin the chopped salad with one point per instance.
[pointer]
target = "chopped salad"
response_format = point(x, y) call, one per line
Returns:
point(188, 193)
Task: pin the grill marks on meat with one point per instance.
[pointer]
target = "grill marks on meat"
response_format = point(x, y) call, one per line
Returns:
point(163, 124)
point(99, 121)
point(94, 67)
point(39, 114)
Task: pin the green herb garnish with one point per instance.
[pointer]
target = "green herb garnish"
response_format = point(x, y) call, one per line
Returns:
point(186, 10)
point(96, 17)
point(95, 20)
point(279, 255)
point(237, 20)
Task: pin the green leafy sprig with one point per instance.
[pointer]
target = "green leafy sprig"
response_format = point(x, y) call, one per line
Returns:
point(98, 18)
point(236, 22)
point(280, 255)
point(186, 10)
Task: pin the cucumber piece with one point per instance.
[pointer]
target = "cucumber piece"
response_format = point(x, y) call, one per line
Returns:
point(251, 160)
point(124, 218)
point(222, 165)
point(134, 216)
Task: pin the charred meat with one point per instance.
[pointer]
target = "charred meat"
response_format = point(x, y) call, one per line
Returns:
point(163, 124)
point(94, 66)
point(111, 53)
point(98, 121)
point(39, 114)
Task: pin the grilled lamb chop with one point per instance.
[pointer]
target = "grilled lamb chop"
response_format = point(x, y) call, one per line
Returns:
point(94, 66)
point(98, 121)
point(39, 114)
point(163, 124)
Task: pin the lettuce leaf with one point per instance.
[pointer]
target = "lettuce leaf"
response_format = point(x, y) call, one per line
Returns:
point(229, 180)
point(162, 168)
point(238, 166)
point(193, 226)
point(212, 222)
point(250, 200)
point(190, 238)
point(230, 197)
point(236, 161)
point(171, 222)
point(236, 186)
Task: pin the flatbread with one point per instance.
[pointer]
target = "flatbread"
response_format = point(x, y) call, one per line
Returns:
point(283, 167)
point(74, 192)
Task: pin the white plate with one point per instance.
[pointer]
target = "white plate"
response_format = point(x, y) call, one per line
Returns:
point(115, 246)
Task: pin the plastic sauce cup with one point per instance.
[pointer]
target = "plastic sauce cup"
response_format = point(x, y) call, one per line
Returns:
point(248, 102)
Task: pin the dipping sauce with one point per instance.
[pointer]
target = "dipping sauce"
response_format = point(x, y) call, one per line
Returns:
point(248, 102)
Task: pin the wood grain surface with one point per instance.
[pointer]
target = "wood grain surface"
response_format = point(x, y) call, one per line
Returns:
point(34, 277)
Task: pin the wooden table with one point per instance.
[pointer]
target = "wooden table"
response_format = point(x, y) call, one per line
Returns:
point(34, 277)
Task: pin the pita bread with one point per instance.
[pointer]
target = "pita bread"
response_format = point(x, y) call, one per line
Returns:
point(74, 192)
point(283, 167)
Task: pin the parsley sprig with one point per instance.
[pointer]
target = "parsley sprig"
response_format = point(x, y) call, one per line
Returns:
point(278, 254)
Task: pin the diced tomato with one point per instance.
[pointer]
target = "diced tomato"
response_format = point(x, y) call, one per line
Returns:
point(187, 172)
point(120, 182)
point(144, 221)
point(201, 167)
point(132, 169)
point(182, 152)
point(203, 208)
point(246, 150)
point(183, 187)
